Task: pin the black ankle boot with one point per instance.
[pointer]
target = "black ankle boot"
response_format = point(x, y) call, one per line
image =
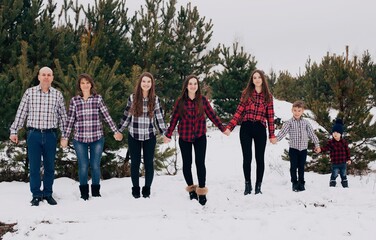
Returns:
point(248, 188)
point(84, 189)
point(136, 192)
point(191, 189)
point(201, 192)
point(193, 195)
point(345, 184)
point(95, 190)
point(258, 188)
point(295, 186)
point(202, 199)
point(301, 186)
point(146, 192)
point(332, 183)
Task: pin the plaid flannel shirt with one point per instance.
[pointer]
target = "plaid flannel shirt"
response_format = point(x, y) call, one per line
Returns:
point(191, 125)
point(85, 117)
point(299, 130)
point(339, 150)
point(257, 110)
point(42, 110)
point(143, 128)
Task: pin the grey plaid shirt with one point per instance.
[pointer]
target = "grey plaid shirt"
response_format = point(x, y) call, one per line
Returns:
point(143, 128)
point(42, 110)
point(299, 131)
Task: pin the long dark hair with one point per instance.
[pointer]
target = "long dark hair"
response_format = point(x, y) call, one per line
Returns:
point(248, 91)
point(184, 97)
point(86, 76)
point(137, 105)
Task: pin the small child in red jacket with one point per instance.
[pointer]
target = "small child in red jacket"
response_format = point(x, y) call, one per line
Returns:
point(339, 154)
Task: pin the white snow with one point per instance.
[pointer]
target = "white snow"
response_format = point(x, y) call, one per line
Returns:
point(319, 212)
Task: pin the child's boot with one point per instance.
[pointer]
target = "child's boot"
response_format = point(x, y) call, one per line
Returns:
point(332, 183)
point(345, 184)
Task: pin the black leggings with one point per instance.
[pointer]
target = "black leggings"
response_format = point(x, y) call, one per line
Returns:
point(186, 152)
point(253, 131)
point(148, 147)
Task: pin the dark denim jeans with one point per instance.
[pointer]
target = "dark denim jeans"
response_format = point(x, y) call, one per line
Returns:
point(41, 144)
point(82, 152)
point(338, 168)
point(297, 162)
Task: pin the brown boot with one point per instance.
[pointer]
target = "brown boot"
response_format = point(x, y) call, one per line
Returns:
point(201, 192)
point(192, 191)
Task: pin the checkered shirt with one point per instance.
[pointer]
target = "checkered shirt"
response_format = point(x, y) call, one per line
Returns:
point(85, 117)
point(42, 110)
point(255, 110)
point(300, 131)
point(339, 150)
point(143, 128)
point(191, 125)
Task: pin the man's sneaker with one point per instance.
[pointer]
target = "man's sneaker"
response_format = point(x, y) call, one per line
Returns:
point(50, 200)
point(35, 201)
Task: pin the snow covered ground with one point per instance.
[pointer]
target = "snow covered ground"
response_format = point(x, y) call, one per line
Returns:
point(319, 212)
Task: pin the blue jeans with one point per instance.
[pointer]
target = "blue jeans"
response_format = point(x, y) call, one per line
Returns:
point(41, 144)
point(338, 168)
point(148, 147)
point(82, 152)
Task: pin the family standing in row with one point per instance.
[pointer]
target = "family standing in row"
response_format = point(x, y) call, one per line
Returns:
point(43, 107)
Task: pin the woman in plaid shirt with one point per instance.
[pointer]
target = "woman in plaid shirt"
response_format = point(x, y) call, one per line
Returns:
point(143, 116)
point(84, 115)
point(254, 111)
point(190, 111)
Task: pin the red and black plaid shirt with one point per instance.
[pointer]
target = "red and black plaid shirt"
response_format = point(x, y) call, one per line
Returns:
point(191, 125)
point(255, 110)
point(339, 150)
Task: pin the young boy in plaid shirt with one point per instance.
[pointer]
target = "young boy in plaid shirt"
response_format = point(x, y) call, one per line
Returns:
point(299, 130)
point(339, 154)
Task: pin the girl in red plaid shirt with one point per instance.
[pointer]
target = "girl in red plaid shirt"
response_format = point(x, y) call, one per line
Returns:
point(190, 111)
point(254, 111)
point(339, 154)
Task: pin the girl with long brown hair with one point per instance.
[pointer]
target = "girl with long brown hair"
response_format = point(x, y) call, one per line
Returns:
point(255, 112)
point(143, 116)
point(190, 111)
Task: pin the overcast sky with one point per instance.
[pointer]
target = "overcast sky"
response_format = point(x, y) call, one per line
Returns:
point(283, 34)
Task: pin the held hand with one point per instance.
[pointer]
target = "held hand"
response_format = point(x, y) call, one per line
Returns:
point(63, 143)
point(273, 140)
point(227, 132)
point(166, 139)
point(118, 136)
point(14, 138)
point(348, 162)
point(317, 150)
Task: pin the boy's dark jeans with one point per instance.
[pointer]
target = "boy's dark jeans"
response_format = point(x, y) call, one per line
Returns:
point(297, 162)
point(338, 168)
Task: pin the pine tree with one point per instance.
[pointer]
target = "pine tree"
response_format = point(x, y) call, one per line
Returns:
point(347, 91)
point(227, 85)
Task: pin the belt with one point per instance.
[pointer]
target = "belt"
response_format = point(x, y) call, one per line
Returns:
point(42, 130)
